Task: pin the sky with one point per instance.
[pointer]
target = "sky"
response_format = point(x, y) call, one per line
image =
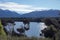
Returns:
point(26, 6)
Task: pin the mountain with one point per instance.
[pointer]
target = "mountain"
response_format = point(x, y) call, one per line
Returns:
point(42, 14)
point(34, 14)
point(8, 14)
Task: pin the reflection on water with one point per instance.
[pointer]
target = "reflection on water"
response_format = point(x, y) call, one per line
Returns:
point(35, 28)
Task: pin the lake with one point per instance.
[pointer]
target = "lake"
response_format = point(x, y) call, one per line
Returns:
point(35, 28)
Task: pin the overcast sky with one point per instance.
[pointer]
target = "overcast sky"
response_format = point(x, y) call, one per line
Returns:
point(25, 6)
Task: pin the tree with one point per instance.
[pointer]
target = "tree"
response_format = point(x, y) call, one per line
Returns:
point(49, 32)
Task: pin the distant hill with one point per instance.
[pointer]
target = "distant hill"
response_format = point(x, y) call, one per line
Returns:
point(8, 14)
point(34, 14)
point(42, 14)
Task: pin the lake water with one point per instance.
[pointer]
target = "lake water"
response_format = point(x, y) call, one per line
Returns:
point(35, 28)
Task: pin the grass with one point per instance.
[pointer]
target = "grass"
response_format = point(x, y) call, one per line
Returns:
point(21, 38)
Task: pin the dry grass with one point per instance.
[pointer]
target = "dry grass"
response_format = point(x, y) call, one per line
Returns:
point(21, 38)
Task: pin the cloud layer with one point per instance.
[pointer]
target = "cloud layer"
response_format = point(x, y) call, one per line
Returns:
point(19, 7)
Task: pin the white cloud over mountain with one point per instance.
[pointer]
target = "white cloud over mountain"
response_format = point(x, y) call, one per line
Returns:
point(20, 8)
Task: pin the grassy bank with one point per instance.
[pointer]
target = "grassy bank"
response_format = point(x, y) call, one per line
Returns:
point(21, 38)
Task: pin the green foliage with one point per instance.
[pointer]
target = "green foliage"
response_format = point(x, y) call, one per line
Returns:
point(52, 26)
point(2, 33)
point(1, 29)
point(54, 30)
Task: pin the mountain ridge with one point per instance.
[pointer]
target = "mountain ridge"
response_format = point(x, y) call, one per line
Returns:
point(40, 14)
point(8, 14)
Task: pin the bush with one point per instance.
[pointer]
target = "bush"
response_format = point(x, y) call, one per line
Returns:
point(2, 33)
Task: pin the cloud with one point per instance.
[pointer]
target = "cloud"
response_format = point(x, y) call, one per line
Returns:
point(20, 8)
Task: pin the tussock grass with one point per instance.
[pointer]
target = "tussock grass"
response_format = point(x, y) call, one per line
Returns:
point(21, 38)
